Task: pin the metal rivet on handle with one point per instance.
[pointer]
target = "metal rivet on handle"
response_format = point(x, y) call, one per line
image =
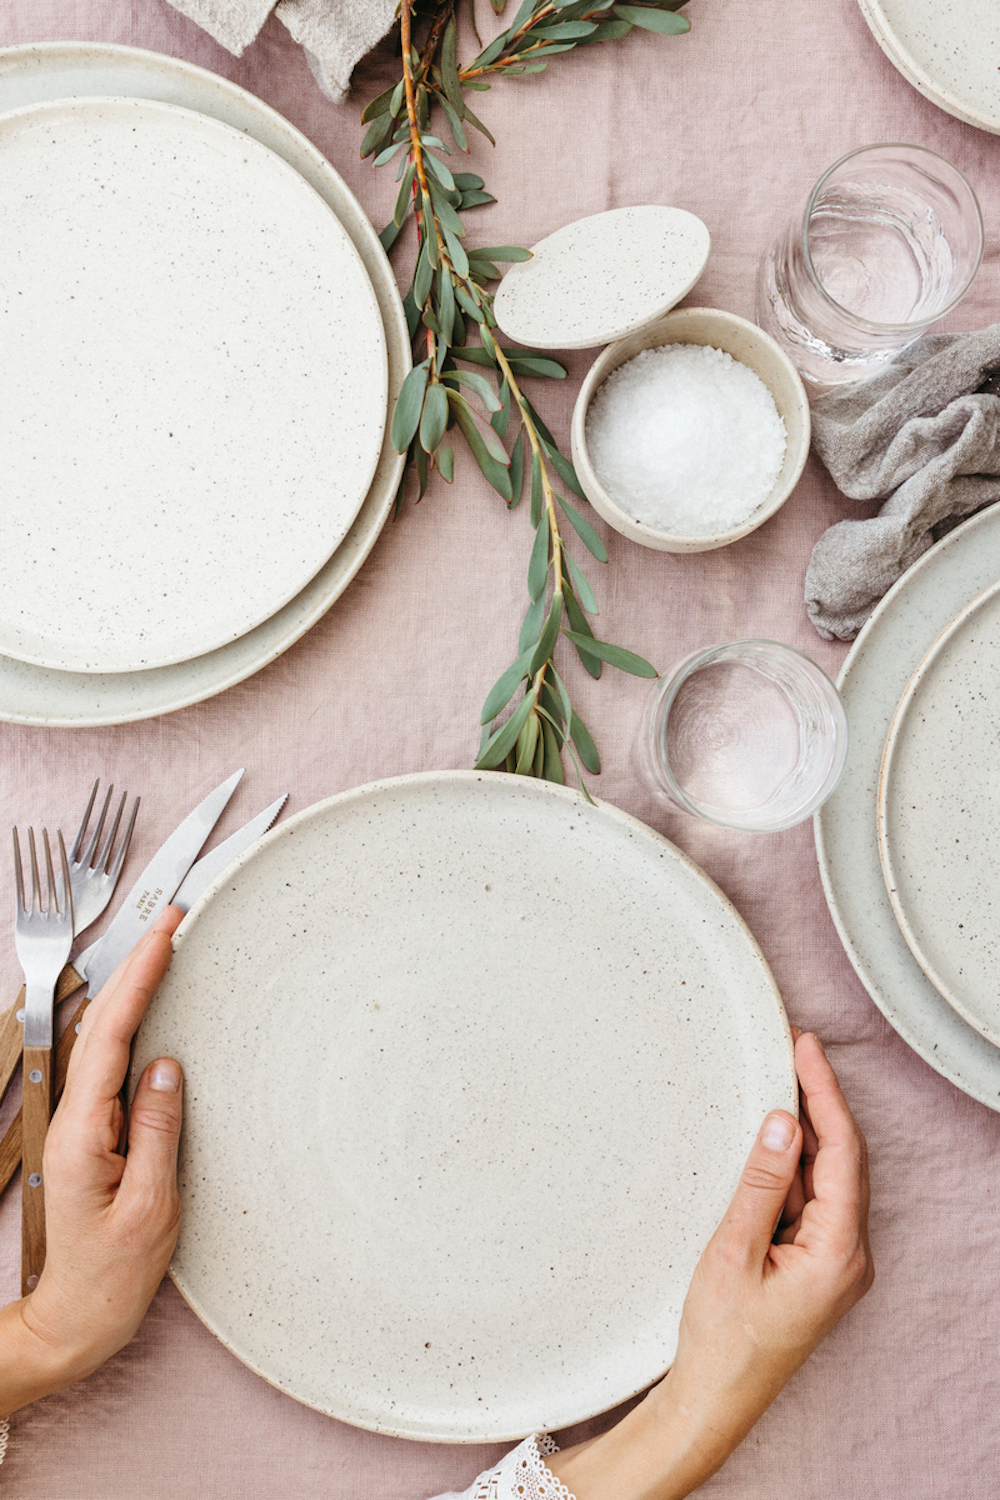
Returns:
point(31, 1283)
point(35, 1075)
point(35, 1180)
point(20, 1016)
point(76, 1028)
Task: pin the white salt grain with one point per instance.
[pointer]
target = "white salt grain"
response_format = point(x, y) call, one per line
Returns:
point(686, 439)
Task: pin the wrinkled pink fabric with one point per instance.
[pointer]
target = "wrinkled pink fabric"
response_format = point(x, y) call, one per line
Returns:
point(733, 122)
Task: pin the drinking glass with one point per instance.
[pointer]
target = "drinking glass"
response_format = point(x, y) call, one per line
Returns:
point(749, 734)
point(889, 241)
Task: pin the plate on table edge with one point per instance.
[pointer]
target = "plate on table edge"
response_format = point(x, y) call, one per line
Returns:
point(970, 110)
point(872, 680)
point(902, 744)
point(432, 818)
point(54, 70)
point(131, 219)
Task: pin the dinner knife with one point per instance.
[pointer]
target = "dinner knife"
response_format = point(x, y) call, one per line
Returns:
point(196, 882)
point(151, 892)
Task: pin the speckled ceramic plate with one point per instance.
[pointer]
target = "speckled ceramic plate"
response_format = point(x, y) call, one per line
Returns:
point(949, 51)
point(194, 370)
point(472, 1068)
point(939, 810)
point(53, 70)
point(874, 677)
point(603, 277)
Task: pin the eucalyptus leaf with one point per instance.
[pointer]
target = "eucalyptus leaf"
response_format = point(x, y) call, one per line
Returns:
point(445, 213)
point(446, 305)
point(663, 21)
point(579, 622)
point(534, 364)
point(506, 736)
point(608, 31)
point(449, 66)
point(412, 312)
point(503, 252)
point(549, 706)
point(501, 417)
point(464, 300)
point(472, 354)
point(484, 269)
point(551, 763)
point(473, 198)
point(584, 531)
point(387, 154)
point(550, 634)
point(504, 688)
point(532, 625)
point(490, 53)
point(537, 489)
point(566, 708)
point(516, 470)
point(586, 749)
point(440, 171)
point(403, 200)
point(477, 383)
point(455, 125)
point(527, 742)
point(615, 656)
point(538, 764)
point(389, 235)
point(474, 120)
point(434, 420)
point(538, 563)
point(378, 106)
point(582, 586)
point(445, 456)
point(566, 472)
point(422, 467)
point(493, 470)
point(375, 134)
point(423, 275)
point(468, 182)
point(397, 97)
point(565, 30)
point(406, 417)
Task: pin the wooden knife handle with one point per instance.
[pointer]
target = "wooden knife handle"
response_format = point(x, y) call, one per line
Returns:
point(12, 1030)
point(10, 1146)
point(36, 1114)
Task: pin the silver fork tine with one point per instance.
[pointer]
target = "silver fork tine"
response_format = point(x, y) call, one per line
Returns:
point(18, 879)
point(36, 892)
point(115, 870)
point(88, 857)
point(77, 843)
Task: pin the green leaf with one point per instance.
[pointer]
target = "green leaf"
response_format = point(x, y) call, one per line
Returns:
point(537, 489)
point(456, 251)
point(501, 417)
point(548, 706)
point(524, 11)
point(494, 469)
point(489, 437)
point(449, 66)
point(455, 125)
point(579, 622)
point(378, 106)
point(397, 96)
point(434, 420)
point(445, 456)
point(506, 736)
point(428, 234)
point(549, 49)
point(375, 134)
point(565, 31)
point(538, 564)
point(474, 197)
point(423, 276)
point(481, 87)
point(532, 625)
point(389, 235)
point(412, 312)
point(485, 270)
point(534, 364)
point(468, 182)
point(406, 417)
point(474, 120)
point(609, 31)
point(472, 354)
point(527, 742)
point(665, 22)
point(615, 656)
point(475, 312)
point(444, 210)
point(435, 140)
point(387, 154)
point(550, 634)
point(477, 383)
point(516, 470)
point(504, 688)
point(503, 252)
point(565, 705)
point(582, 586)
point(587, 750)
point(566, 472)
point(584, 531)
point(538, 764)
point(439, 170)
point(403, 200)
point(539, 425)
point(490, 53)
point(551, 764)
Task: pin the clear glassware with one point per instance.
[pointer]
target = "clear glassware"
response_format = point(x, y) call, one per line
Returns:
point(889, 241)
point(749, 734)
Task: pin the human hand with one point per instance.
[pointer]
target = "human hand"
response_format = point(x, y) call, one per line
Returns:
point(111, 1220)
point(789, 1259)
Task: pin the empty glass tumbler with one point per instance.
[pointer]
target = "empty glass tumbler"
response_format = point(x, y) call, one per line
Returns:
point(750, 735)
point(889, 241)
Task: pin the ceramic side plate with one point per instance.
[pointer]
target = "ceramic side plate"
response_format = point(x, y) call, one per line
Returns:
point(471, 1071)
point(939, 809)
point(195, 376)
point(949, 52)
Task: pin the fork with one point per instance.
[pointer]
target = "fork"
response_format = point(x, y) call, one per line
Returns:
point(92, 885)
point(43, 937)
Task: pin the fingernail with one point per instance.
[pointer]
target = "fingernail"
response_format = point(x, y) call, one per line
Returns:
point(165, 1077)
point(777, 1134)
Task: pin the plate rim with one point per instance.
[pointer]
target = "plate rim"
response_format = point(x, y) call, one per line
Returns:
point(53, 66)
point(542, 791)
point(897, 729)
point(916, 75)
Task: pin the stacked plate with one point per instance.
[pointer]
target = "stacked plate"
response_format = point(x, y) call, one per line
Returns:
point(948, 52)
point(202, 340)
point(906, 843)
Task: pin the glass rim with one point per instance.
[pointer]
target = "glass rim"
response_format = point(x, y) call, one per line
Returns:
point(866, 323)
point(669, 689)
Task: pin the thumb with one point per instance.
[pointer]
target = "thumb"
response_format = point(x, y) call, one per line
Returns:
point(155, 1127)
point(770, 1169)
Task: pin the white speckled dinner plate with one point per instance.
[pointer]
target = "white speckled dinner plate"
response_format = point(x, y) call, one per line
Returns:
point(949, 50)
point(939, 810)
point(472, 1068)
point(602, 277)
point(873, 679)
point(194, 370)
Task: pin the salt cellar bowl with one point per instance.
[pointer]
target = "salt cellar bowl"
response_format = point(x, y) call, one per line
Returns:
point(613, 279)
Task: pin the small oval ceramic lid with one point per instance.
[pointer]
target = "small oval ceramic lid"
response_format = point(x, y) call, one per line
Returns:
point(603, 277)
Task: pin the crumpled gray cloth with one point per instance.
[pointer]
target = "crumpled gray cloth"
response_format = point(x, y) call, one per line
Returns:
point(920, 433)
point(335, 34)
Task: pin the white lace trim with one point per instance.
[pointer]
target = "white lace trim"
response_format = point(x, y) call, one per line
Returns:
point(4, 1437)
point(521, 1475)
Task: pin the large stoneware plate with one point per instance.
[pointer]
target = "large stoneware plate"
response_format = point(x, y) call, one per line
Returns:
point(874, 677)
point(949, 52)
point(56, 70)
point(194, 370)
point(939, 808)
point(472, 1068)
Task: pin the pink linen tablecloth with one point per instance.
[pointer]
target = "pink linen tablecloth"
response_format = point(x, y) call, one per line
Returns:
point(733, 122)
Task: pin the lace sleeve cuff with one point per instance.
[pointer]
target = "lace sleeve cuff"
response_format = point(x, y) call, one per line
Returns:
point(521, 1474)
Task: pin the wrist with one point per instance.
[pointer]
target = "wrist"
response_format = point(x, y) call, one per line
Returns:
point(30, 1366)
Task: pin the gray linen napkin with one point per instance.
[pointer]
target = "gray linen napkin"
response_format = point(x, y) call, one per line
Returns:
point(336, 34)
point(920, 433)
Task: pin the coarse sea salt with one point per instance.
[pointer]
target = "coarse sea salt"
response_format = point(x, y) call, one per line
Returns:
point(686, 439)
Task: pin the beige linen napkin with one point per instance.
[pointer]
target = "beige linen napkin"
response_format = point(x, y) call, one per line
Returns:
point(920, 435)
point(336, 34)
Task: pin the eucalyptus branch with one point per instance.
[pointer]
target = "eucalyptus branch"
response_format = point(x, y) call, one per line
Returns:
point(448, 296)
